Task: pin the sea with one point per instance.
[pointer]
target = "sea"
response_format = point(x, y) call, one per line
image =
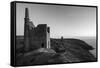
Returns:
point(92, 42)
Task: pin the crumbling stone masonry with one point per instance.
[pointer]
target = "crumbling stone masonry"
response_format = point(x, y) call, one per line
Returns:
point(35, 37)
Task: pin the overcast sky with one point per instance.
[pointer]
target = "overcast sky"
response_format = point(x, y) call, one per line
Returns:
point(67, 21)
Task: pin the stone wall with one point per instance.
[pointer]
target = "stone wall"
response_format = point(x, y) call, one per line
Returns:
point(35, 37)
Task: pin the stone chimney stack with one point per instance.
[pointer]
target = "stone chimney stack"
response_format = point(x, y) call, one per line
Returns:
point(26, 31)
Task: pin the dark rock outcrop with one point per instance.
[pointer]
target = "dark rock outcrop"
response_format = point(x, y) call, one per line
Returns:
point(75, 50)
point(62, 51)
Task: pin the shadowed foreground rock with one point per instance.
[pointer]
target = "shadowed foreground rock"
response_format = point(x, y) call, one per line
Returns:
point(66, 51)
point(74, 50)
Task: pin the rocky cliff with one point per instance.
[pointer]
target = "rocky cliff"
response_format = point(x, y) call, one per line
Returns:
point(62, 51)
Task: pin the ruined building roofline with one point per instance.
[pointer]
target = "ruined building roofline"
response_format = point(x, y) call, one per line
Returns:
point(30, 21)
point(42, 25)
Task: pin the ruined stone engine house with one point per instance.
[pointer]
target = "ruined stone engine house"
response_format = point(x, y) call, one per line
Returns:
point(35, 37)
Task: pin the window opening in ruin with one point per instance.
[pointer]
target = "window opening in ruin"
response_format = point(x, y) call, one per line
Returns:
point(43, 45)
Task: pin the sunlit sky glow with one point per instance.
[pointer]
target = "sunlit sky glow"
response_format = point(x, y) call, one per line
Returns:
point(67, 21)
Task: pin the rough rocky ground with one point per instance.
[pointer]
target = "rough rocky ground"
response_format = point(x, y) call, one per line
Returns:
point(62, 51)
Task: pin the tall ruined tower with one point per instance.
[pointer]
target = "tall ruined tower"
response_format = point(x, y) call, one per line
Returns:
point(26, 31)
point(35, 37)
